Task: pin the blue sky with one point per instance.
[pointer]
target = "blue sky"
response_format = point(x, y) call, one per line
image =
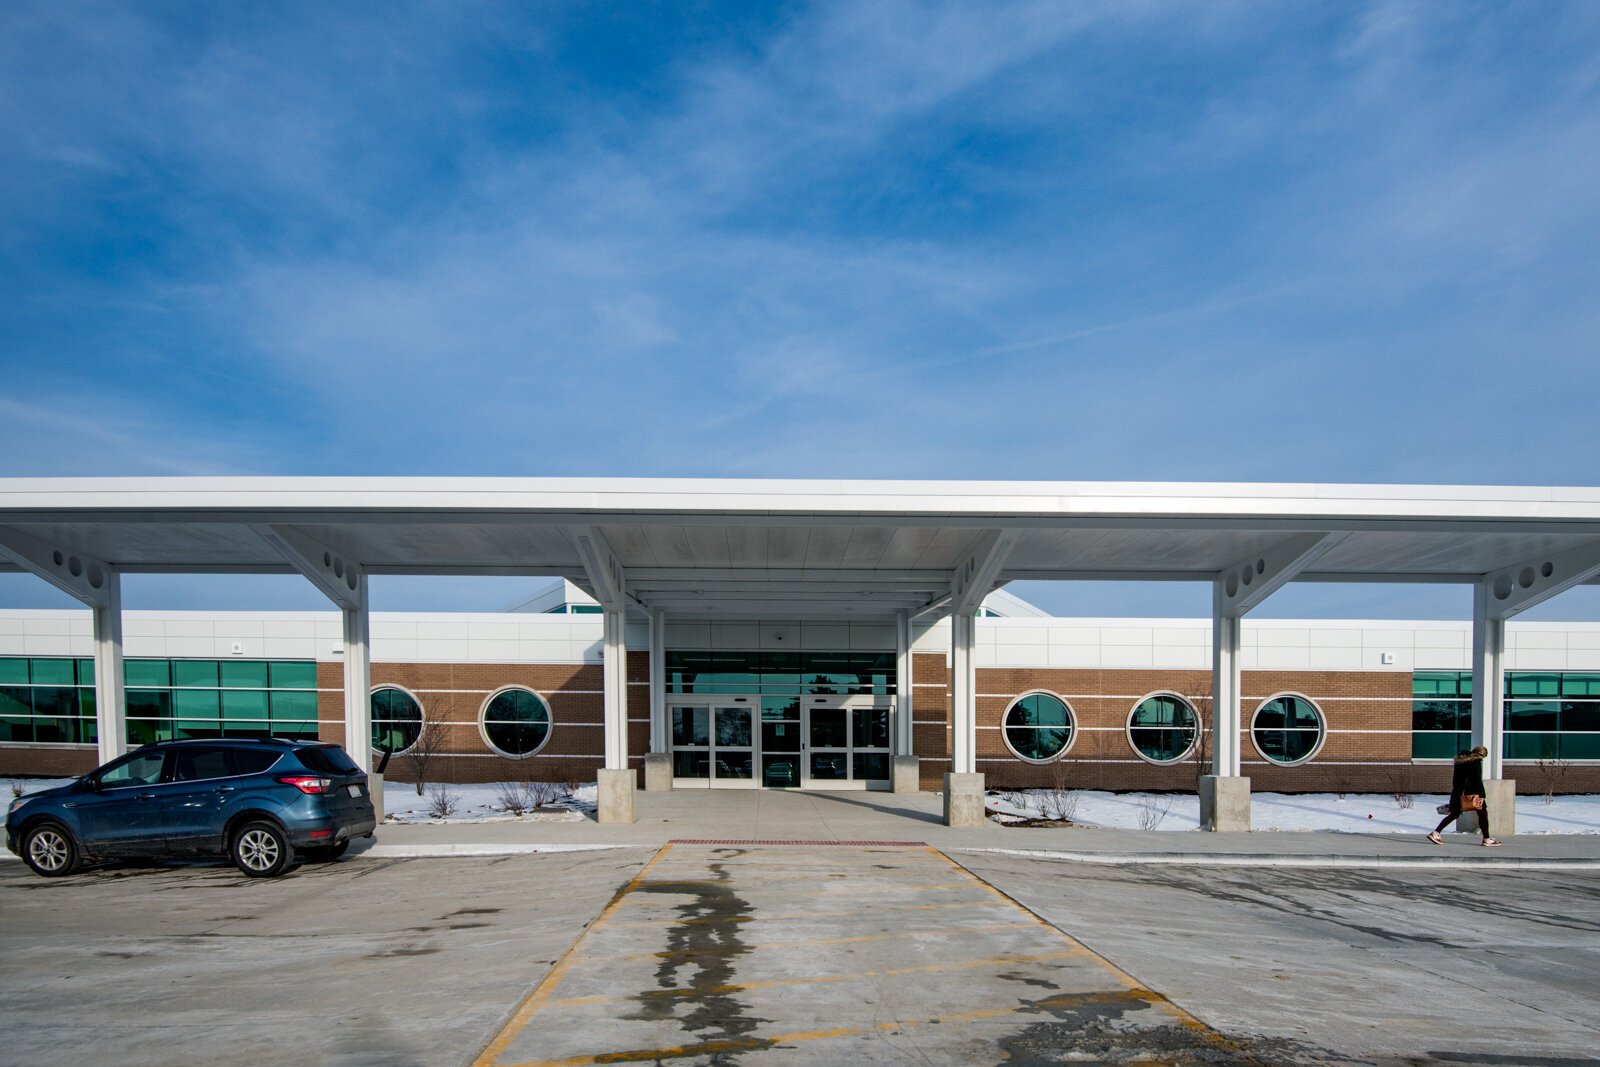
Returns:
point(1253, 241)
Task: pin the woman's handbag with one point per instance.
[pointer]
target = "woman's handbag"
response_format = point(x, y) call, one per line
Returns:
point(1471, 802)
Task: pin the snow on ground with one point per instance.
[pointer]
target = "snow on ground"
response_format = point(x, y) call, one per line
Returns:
point(481, 803)
point(1347, 812)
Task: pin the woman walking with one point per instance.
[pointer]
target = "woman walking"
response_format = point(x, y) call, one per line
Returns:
point(1466, 794)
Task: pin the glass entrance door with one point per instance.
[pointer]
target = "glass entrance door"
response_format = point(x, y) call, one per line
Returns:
point(847, 742)
point(714, 743)
point(745, 742)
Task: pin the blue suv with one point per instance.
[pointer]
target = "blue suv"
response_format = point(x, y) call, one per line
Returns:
point(258, 801)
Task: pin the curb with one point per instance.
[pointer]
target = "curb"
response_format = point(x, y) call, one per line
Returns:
point(447, 851)
point(1175, 859)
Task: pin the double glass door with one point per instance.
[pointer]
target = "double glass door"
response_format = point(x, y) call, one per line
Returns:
point(820, 742)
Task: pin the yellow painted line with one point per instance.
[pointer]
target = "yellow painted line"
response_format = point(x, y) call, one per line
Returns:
point(1133, 985)
point(541, 993)
point(793, 877)
point(896, 935)
point(777, 983)
point(964, 905)
point(751, 1044)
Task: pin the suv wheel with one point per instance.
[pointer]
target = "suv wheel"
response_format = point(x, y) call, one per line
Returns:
point(261, 850)
point(325, 853)
point(49, 849)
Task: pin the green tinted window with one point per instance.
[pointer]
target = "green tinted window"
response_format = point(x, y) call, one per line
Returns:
point(1162, 728)
point(1287, 729)
point(517, 722)
point(300, 674)
point(54, 672)
point(200, 673)
point(147, 673)
point(1527, 684)
point(244, 674)
point(1039, 726)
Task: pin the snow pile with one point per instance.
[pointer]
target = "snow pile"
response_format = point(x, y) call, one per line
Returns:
point(480, 802)
point(1339, 812)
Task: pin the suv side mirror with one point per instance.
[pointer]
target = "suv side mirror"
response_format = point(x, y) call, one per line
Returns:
point(91, 782)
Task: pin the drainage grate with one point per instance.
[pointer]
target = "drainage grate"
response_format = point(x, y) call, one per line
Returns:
point(753, 841)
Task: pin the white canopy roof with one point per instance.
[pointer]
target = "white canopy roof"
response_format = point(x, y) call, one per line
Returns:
point(800, 549)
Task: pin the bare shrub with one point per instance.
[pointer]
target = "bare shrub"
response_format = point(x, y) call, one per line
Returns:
point(16, 789)
point(1059, 802)
point(1551, 770)
point(1399, 790)
point(515, 797)
point(443, 801)
point(1152, 811)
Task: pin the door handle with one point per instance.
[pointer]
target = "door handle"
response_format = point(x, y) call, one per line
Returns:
point(147, 796)
point(225, 788)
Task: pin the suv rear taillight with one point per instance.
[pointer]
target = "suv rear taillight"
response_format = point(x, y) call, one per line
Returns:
point(307, 783)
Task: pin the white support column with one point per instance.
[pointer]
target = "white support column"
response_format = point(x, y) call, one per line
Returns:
point(616, 689)
point(358, 683)
point(1498, 596)
point(904, 693)
point(658, 761)
point(343, 581)
point(658, 680)
point(1488, 679)
point(907, 773)
point(1226, 633)
point(110, 699)
point(963, 699)
point(97, 584)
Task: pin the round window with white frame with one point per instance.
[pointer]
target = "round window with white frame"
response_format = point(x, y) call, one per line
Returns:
point(1163, 728)
point(396, 719)
point(1039, 727)
point(1288, 729)
point(515, 722)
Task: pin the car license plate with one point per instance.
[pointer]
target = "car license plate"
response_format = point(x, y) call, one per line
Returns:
point(355, 790)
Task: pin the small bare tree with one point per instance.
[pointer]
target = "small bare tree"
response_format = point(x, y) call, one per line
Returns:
point(424, 753)
point(1200, 754)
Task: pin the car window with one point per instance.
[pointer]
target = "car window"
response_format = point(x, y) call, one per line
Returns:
point(327, 759)
point(196, 763)
point(141, 768)
point(254, 760)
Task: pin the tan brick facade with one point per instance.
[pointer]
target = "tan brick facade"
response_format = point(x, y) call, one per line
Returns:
point(1366, 747)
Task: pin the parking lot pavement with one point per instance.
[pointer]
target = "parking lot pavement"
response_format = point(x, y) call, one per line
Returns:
point(816, 954)
point(1384, 967)
point(383, 962)
point(823, 954)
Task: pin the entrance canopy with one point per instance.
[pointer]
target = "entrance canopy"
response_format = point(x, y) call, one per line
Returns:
point(800, 549)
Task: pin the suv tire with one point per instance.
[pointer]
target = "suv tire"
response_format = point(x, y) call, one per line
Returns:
point(49, 849)
point(261, 850)
point(325, 853)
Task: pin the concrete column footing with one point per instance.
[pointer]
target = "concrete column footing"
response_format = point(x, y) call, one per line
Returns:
point(375, 791)
point(1500, 794)
point(616, 789)
point(907, 774)
point(1224, 803)
point(658, 772)
point(963, 800)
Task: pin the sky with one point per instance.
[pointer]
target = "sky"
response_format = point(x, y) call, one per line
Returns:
point(1068, 241)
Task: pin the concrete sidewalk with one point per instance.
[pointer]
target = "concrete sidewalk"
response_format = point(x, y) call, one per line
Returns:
point(779, 817)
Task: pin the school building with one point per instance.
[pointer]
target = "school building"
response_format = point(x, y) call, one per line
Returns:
point(822, 635)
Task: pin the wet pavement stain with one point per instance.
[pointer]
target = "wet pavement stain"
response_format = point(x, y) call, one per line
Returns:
point(700, 959)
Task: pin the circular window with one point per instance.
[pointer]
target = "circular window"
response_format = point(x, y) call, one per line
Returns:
point(396, 720)
point(1287, 729)
point(1162, 728)
point(1039, 727)
point(515, 722)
